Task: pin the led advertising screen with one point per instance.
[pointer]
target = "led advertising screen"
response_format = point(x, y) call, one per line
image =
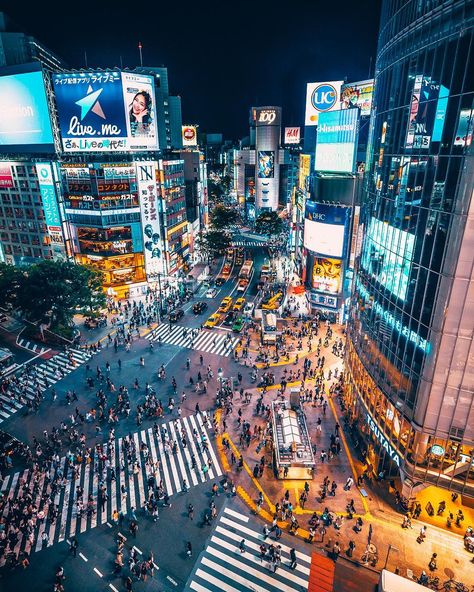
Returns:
point(327, 273)
point(428, 106)
point(321, 97)
point(24, 115)
point(266, 164)
point(324, 228)
point(140, 107)
point(387, 255)
point(189, 135)
point(336, 141)
point(464, 132)
point(304, 170)
point(106, 111)
point(358, 94)
point(147, 177)
point(292, 135)
point(6, 178)
point(267, 116)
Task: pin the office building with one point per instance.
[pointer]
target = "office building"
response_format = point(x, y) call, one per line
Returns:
point(410, 376)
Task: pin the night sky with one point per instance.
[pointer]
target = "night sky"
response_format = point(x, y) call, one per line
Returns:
point(221, 57)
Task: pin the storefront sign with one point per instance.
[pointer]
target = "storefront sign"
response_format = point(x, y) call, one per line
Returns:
point(374, 428)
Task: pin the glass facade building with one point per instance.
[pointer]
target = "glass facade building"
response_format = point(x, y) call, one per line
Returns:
point(410, 370)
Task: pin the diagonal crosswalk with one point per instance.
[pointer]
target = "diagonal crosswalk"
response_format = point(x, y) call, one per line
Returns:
point(169, 467)
point(40, 377)
point(222, 344)
point(223, 567)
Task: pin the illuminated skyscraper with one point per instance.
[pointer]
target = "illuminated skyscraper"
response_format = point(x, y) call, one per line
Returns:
point(410, 366)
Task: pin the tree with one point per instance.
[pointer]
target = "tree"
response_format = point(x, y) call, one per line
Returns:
point(57, 290)
point(214, 242)
point(269, 223)
point(11, 282)
point(222, 217)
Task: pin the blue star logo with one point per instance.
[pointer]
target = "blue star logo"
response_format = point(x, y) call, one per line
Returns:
point(91, 103)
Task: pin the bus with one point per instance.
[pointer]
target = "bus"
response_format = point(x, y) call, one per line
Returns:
point(246, 270)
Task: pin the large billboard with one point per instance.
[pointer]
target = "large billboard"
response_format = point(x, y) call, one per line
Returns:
point(327, 274)
point(321, 97)
point(140, 109)
point(267, 116)
point(24, 115)
point(6, 177)
point(49, 199)
point(429, 102)
point(304, 170)
point(324, 228)
point(189, 135)
point(147, 179)
point(387, 255)
point(266, 164)
point(106, 111)
point(358, 94)
point(336, 141)
point(292, 135)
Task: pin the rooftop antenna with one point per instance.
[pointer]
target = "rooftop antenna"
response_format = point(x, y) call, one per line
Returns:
point(121, 63)
point(140, 50)
point(85, 57)
point(370, 66)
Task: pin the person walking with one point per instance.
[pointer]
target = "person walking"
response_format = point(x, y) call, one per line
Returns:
point(128, 584)
point(242, 546)
point(350, 548)
point(293, 562)
point(336, 550)
point(73, 544)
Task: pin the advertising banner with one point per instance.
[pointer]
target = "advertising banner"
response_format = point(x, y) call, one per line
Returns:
point(24, 114)
point(358, 94)
point(266, 164)
point(48, 195)
point(324, 229)
point(321, 97)
point(336, 141)
point(428, 107)
point(140, 109)
point(292, 135)
point(465, 124)
point(387, 255)
point(6, 179)
point(267, 116)
point(327, 273)
point(304, 170)
point(147, 178)
point(189, 135)
point(106, 111)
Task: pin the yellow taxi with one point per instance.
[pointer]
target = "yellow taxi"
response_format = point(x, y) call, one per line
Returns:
point(213, 320)
point(225, 304)
point(239, 304)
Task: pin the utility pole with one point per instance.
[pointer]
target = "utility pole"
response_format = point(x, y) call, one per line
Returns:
point(140, 50)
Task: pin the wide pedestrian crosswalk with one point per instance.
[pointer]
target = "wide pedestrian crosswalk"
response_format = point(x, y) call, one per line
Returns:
point(168, 464)
point(223, 568)
point(210, 341)
point(39, 377)
point(250, 243)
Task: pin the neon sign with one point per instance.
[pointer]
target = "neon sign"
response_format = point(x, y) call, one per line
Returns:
point(374, 428)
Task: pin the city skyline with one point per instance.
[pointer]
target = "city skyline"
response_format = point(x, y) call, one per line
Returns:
point(218, 67)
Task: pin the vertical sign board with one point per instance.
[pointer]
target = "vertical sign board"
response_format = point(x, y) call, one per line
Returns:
point(6, 178)
point(50, 204)
point(147, 177)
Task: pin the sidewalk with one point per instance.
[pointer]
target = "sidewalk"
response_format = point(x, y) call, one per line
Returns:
point(396, 547)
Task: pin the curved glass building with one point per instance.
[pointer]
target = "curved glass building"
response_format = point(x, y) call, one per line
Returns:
point(410, 353)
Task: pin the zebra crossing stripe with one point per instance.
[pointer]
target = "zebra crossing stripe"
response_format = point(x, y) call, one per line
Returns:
point(206, 341)
point(223, 567)
point(173, 468)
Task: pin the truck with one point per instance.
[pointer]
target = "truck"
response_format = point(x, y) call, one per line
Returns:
point(269, 327)
point(244, 275)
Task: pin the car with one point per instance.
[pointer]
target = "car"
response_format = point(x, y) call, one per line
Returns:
point(239, 303)
point(248, 309)
point(220, 280)
point(225, 304)
point(242, 285)
point(238, 325)
point(211, 293)
point(229, 318)
point(175, 315)
point(239, 260)
point(199, 307)
point(213, 320)
point(226, 269)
